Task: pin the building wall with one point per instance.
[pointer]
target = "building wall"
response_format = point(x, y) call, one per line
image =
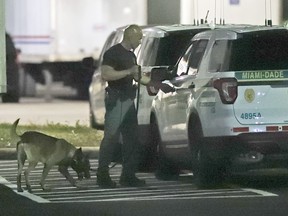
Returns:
point(233, 11)
point(163, 11)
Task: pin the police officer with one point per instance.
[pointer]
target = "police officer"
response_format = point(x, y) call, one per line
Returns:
point(119, 68)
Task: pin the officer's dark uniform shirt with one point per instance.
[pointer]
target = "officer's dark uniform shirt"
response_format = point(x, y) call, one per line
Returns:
point(120, 59)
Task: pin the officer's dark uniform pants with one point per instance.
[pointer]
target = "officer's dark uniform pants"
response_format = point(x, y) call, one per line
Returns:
point(120, 118)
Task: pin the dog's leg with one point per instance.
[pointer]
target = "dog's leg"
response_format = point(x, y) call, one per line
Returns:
point(47, 168)
point(21, 157)
point(66, 174)
point(31, 166)
point(20, 168)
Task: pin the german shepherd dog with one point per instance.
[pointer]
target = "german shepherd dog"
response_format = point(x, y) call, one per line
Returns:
point(38, 147)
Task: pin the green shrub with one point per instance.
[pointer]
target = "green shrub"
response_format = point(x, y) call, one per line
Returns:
point(79, 135)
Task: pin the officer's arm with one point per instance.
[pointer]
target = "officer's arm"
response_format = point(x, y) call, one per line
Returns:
point(146, 80)
point(109, 74)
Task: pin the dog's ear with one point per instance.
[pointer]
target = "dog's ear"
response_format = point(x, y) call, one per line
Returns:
point(77, 154)
point(79, 151)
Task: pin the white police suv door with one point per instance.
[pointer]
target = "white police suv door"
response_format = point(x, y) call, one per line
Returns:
point(175, 105)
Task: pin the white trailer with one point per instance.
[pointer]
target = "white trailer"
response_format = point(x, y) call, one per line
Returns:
point(55, 35)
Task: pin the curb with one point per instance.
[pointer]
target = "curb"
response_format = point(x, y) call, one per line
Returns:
point(10, 153)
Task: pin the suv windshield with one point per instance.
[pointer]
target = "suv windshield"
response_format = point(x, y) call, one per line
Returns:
point(261, 51)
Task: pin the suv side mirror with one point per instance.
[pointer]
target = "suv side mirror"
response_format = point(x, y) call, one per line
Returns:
point(161, 74)
point(158, 75)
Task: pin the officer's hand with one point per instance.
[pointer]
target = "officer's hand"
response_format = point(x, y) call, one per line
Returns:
point(136, 72)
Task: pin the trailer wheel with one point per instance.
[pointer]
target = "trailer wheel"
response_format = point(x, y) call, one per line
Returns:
point(10, 97)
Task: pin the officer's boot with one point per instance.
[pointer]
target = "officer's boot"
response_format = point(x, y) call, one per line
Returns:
point(104, 180)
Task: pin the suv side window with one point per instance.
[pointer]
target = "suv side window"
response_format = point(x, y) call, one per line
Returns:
point(219, 52)
point(164, 50)
point(183, 62)
point(149, 49)
point(107, 45)
point(195, 58)
point(171, 47)
point(266, 51)
point(117, 37)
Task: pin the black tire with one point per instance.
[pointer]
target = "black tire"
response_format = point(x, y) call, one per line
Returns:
point(207, 171)
point(149, 153)
point(165, 169)
point(211, 172)
point(10, 97)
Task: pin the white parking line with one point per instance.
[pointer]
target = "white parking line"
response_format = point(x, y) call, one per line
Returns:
point(63, 192)
point(263, 193)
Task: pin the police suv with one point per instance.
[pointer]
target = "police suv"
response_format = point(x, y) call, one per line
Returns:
point(230, 105)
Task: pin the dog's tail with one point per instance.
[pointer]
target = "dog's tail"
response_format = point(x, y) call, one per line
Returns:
point(15, 138)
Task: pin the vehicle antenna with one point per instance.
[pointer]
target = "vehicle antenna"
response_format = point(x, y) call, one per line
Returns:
point(215, 13)
point(221, 13)
point(223, 10)
point(270, 21)
point(265, 12)
point(206, 17)
point(194, 12)
point(197, 8)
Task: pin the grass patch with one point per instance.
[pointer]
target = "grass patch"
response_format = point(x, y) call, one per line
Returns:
point(79, 135)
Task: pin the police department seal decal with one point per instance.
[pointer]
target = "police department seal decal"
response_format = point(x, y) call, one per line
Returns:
point(249, 95)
